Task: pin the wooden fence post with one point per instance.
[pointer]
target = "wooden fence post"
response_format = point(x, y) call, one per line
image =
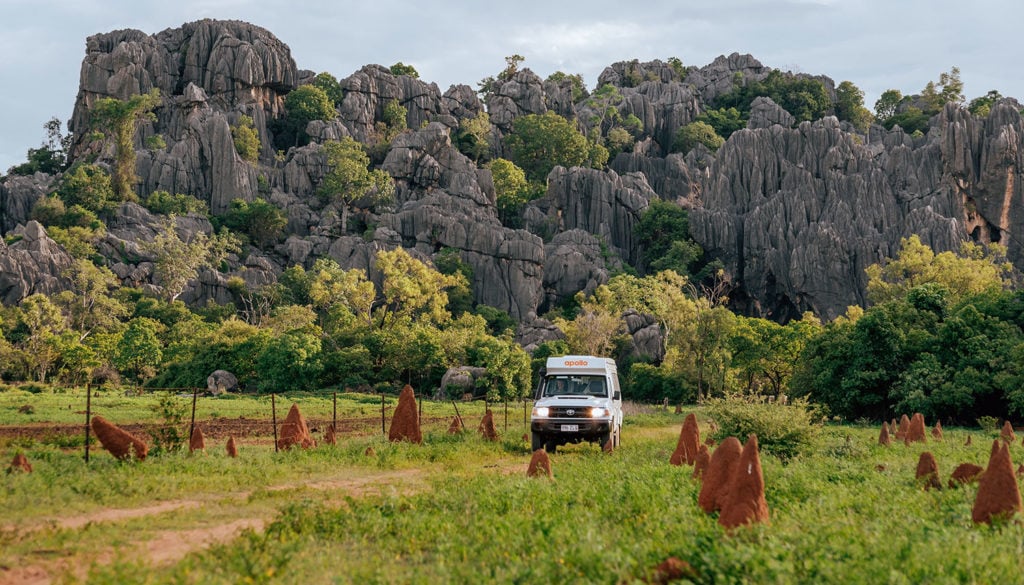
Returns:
point(88, 415)
point(192, 424)
point(334, 413)
point(273, 415)
point(382, 429)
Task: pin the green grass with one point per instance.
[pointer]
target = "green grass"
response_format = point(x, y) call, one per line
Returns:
point(468, 513)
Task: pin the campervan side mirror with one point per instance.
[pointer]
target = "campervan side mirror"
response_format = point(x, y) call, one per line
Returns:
point(617, 395)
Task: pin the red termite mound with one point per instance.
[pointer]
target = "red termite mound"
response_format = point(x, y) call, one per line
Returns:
point(486, 427)
point(689, 438)
point(670, 570)
point(915, 430)
point(964, 473)
point(745, 502)
point(232, 447)
point(120, 443)
point(456, 426)
point(1020, 470)
point(883, 437)
point(405, 424)
point(294, 431)
point(540, 464)
point(370, 452)
point(927, 471)
point(1007, 433)
point(937, 431)
point(901, 431)
point(331, 435)
point(20, 463)
point(716, 478)
point(608, 447)
point(967, 443)
point(998, 494)
point(701, 464)
point(197, 442)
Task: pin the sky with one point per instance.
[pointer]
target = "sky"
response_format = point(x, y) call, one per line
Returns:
point(876, 44)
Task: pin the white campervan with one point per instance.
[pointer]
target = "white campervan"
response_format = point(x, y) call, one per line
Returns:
point(578, 399)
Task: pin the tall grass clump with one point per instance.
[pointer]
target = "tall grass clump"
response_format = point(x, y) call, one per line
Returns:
point(784, 430)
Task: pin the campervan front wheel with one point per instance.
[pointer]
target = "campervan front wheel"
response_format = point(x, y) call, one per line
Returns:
point(538, 441)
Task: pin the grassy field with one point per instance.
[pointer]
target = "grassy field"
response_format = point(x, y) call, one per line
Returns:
point(460, 510)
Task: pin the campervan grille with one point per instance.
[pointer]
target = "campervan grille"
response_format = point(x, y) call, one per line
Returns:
point(570, 412)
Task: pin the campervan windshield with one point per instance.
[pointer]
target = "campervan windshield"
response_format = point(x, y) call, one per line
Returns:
point(579, 385)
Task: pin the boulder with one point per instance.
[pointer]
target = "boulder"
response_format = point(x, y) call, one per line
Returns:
point(458, 381)
point(765, 113)
point(18, 195)
point(221, 381)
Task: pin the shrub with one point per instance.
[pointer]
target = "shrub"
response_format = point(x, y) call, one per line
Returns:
point(782, 430)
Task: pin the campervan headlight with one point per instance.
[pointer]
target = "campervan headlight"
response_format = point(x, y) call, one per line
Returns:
point(598, 412)
point(541, 411)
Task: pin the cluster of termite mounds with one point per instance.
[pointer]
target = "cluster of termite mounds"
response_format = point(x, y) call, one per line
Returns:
point(732, 482)
point(998, 497)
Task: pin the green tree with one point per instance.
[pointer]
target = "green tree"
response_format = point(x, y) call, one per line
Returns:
point(887, 103)
point(247, 140)
point(303, 105)
point(393, 117)
point(139, 351)
point(725, 121)
point(696, 133)
point(341, 294)
point(508, 369)
point(850, 106)
point(89, 306)
point(348, 178)
point(119, 119)
point(677, 66)
point(951, 88)
point(51, 157)
point(974, 270)
point(164, 203)
point(403, 69)
point(330, 86)
point(766, 353)
point(981, 106)
point(412, 289)
point(42, 323)
point(539, 143)
point(87, 185)
point(473, 137)
point(260, 219)
point(511, 189)
point(178, 261)
point(291, 361)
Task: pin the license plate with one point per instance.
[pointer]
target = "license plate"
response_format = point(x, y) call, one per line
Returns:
point(570, 428)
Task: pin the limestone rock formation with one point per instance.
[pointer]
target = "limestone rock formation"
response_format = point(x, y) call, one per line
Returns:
point(531, 333)
point(573, 262)
point(405, 423)
point(442, 201)
point(31, 264)
point(17, 197)
point(765, 113)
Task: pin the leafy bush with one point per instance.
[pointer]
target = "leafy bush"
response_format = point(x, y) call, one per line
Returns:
point(784, 430)
point(165, 203)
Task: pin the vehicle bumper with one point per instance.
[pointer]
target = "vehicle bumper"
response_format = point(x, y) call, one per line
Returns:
point(587, 427)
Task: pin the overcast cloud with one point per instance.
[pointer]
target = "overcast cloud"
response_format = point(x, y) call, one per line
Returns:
point(876, 44)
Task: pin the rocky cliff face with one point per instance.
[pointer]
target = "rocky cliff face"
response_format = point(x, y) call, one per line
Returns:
point(794, 212)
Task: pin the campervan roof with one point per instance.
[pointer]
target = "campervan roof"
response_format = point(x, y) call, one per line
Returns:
point(579, 364)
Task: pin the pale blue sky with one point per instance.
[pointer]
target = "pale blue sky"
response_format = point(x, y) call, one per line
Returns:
point(877, 44)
